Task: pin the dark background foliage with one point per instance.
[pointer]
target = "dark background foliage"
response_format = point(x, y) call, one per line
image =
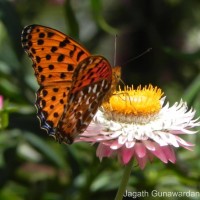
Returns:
point(33, 165)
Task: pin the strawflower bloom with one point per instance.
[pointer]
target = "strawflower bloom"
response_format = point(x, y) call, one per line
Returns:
point(136, 124)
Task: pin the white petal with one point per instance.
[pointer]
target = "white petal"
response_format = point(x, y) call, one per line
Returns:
point(168, 138)
point(130, 144)
point(122, 139)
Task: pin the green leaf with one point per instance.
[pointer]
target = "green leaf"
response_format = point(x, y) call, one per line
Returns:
point(72, 23)
point(13, 191)
point(191, 92)
point(97, 11)
point(3, 119)
point(196, 105)
point(46, 149)
point(11, 21)
point(187, 57)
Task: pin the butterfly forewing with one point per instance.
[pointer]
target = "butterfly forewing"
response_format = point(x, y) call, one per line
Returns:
point(55, 57)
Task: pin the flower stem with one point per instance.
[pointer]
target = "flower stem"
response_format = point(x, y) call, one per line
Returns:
point(124, 181)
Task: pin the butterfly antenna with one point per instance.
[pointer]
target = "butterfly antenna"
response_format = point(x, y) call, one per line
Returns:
point(115, 52)
point(143, 53)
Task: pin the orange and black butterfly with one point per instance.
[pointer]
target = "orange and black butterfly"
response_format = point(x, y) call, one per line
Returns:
point(73, 83)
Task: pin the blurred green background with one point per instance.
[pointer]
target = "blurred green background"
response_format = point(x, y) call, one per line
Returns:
point(34, 166)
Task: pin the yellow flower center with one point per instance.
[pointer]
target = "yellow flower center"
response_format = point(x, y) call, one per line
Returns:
point(139, 105)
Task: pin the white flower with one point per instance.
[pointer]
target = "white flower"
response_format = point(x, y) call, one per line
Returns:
point(136, 123)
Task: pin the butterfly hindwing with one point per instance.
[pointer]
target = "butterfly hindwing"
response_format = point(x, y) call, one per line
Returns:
point(91, 82)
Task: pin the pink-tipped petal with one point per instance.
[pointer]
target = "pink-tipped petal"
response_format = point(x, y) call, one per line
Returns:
point(149, 145)
point(126, 155)
point(103, 151)
point(169, 153)
point(159, 153)
point(183, 142)
point(140, 150)
point(142, 161)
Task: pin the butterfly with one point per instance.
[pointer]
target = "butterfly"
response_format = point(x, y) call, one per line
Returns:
point(73, 83)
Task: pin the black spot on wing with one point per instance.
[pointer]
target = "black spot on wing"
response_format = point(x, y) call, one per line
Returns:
point(60, 58)
point(80, 53)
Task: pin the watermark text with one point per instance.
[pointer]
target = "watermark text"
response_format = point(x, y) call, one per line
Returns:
point(156, 193)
